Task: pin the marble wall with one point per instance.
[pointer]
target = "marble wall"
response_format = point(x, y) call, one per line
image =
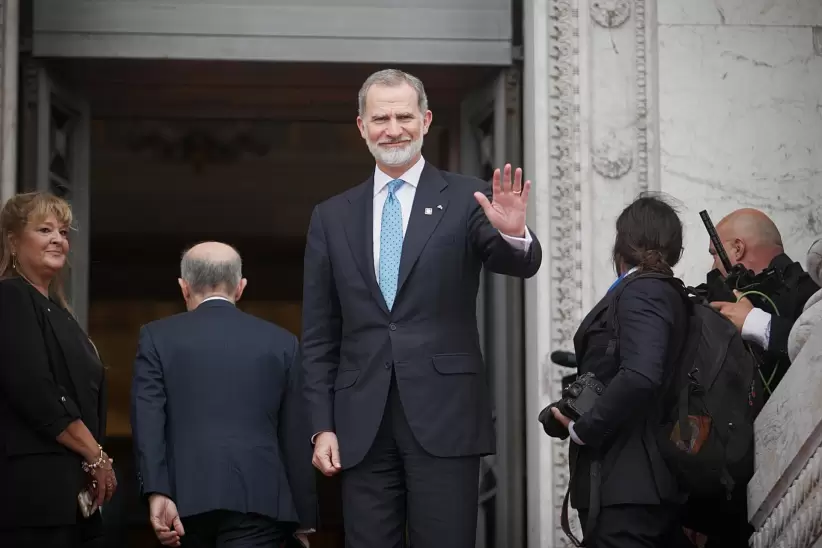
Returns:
point(717, 103)
point(740, 115)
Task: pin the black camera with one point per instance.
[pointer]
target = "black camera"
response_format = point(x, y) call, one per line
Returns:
point(577, 399)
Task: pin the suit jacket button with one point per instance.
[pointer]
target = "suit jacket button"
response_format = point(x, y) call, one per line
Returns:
point(392, 327)
point(388, 365)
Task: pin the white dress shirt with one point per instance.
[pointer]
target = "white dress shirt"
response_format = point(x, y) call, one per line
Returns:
point(405, 194)
point(757, 328)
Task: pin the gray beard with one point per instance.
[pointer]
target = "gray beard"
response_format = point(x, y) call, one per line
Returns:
point(395, 156)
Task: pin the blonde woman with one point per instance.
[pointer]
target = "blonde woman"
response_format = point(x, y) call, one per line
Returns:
point(54, 473)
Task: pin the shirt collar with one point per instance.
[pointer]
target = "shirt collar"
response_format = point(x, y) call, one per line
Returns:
point(215, 298)
point(412, 176)
point(622, 277)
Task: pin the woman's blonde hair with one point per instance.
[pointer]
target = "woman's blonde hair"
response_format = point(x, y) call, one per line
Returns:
point(22, 210)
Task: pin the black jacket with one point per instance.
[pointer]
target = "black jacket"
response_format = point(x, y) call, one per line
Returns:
point(790, 298)
point(50, 375)
point(653, 323)
point(352, 342)
point(208, 396)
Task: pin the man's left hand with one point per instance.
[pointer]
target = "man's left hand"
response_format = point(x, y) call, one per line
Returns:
point(563, 420)
point(506, 211)
point(165, 520)
point(736, 312)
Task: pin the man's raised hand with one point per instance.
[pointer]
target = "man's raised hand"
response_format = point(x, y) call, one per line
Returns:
point(506, 210)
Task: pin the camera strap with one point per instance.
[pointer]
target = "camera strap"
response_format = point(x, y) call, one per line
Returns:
point(564, 522)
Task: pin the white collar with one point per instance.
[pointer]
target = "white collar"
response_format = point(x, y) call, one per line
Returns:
point(216, 298)
point(411, 177)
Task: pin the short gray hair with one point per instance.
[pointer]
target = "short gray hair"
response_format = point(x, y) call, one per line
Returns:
point(204, 274)
point(391, 78)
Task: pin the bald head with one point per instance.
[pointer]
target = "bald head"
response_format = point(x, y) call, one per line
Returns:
point(211, 269)
point(750, 237)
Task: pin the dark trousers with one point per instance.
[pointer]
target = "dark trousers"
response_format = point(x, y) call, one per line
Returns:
point(398, 481)
point(224, 529)
point(67, 536)
point(637, 526)
point(724, 522)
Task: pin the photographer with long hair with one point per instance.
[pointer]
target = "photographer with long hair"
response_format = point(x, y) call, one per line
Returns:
point(620, 485)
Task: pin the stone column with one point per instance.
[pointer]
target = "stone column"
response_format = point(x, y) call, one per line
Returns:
point(9, 51)
point(589, 122)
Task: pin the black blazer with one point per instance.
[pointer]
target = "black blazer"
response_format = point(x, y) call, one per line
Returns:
point(50, 375)
point(790, 298)
point(653, 326)
point(207, 395)
point(352, 342)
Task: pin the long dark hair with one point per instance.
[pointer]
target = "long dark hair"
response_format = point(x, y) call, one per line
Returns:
point(648, 236)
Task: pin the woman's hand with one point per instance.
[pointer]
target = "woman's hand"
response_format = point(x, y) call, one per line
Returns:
point(563, 420)
point(104, 480)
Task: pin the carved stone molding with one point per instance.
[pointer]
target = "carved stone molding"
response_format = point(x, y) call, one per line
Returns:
point(566, 286)
point(612, 158)
point(641, 55)
point(796, 522)
point(610, 14)
point(565, 184)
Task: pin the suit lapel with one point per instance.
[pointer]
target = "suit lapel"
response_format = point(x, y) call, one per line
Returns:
point(586, 323)
point(426, 214)
point(359, 229)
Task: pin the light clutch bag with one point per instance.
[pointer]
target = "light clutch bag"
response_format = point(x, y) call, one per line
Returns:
point(87, 505)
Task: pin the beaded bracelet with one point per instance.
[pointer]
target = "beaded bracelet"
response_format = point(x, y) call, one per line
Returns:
point(101, 460)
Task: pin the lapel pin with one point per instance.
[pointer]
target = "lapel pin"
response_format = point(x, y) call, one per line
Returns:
point(428, 211)
point(439, 207)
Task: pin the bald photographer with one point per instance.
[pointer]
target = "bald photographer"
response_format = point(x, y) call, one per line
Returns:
point(762, 291)
point(764, 306)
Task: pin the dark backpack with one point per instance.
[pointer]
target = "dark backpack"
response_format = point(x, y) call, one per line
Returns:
point(703, 425)
point(708, 404)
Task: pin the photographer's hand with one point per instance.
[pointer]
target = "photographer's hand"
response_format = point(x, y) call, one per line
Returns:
point(567, 423)
point(736, 312)
point(563, 420)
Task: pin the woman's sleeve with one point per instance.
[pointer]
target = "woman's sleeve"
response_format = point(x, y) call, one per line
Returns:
point(26, 380)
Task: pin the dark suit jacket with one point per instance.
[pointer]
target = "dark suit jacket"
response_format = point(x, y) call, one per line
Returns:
point(207, 396)
point(790, 299)
point(351, 341)
point(50, 376)
point(653, 326)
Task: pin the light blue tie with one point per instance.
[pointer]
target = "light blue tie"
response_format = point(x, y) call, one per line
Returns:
point(390, 243)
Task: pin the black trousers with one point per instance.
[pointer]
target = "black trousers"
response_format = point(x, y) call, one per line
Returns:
point(637, 526)
point(398, 483)
point(224, 529)
point(66, 536)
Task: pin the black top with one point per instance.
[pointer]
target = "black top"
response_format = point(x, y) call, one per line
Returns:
point(50, 376)
point(790, 298)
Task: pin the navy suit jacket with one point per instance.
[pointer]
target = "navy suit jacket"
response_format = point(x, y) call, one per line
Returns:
point(207, 396)
point(653, 327)
point(429, 339)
